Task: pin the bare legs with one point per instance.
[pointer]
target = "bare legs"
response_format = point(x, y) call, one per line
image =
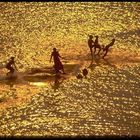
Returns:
point(91, 53)
point(106, 51)
point(97, 46)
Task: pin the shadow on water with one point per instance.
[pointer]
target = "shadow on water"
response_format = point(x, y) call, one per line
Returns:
point(45, 74)
point(99, 61)
point(68, 68)
point(11, 82)
point(108, 63)
point(95, 59)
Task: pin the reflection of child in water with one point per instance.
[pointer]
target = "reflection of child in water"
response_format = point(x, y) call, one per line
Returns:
point(57, 82)
point(11, 66)
point(57, 63)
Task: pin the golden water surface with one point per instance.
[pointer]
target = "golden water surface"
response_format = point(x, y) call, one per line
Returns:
point(107, 102)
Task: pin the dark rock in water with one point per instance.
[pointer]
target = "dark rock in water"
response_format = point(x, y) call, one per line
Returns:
point(79, 76)
point(85, 72)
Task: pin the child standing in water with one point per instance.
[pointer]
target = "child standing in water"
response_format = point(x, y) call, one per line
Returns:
point(106, 48)
point(57, 63)
point(91, 44)
point(11, 66)
point(97, 45)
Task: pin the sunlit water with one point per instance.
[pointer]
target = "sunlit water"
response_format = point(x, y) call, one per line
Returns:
point(107, 102)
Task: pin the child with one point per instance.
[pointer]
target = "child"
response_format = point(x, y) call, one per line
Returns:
point(106, 48)
point(97, 45)
point(11, 66)
point(57, 63)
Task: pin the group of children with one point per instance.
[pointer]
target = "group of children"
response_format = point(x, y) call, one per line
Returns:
point(95, 44)
point(58, 66)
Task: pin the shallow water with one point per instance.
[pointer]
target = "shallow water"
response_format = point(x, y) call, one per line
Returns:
point(107, 102)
